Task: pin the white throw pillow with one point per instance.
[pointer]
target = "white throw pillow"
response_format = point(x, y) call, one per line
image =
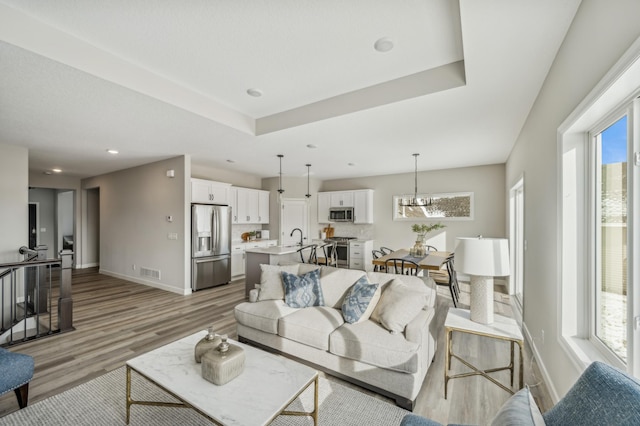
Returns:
point(398, 305)
point(271, 286)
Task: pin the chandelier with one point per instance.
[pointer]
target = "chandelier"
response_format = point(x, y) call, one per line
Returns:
point(413, 200)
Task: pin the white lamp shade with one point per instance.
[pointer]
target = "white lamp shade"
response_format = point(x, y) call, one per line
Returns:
point(487, 257)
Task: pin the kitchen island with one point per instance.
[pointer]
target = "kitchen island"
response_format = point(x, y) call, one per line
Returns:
point(276, 255)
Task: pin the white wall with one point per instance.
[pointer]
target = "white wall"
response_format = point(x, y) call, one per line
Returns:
point(601, 32)
point(134, 204)
point(486, 182)
point(14, 199)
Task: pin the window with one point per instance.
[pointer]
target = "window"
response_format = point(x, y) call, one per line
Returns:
point(609, 227)
point(599, 221)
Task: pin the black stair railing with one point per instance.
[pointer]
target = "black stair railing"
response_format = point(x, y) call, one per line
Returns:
point(27, 296)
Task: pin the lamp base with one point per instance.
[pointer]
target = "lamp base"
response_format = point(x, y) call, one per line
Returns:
point(482, 299)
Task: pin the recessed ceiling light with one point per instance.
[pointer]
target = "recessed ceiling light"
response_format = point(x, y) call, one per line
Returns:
point(311, 146)
point(112, 151)
point(230, 161)
point(56, 170)
point(383, 44)
point(256, 93)
point(352, 164)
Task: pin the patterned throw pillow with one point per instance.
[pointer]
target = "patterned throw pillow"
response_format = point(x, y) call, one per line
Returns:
point(360, 300)
point(302, 291)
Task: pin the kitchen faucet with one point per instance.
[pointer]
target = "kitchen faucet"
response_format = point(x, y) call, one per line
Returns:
point(294, 230)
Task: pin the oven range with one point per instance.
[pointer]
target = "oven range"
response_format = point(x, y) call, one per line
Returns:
point(342, 250)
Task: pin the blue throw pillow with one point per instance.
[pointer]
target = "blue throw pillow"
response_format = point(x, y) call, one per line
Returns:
point(358, 300)
point(520, 409)
point(302, 291)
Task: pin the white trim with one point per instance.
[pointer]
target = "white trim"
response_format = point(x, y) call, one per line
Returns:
point(88, 265)
point(553, 392)
point(616, 88)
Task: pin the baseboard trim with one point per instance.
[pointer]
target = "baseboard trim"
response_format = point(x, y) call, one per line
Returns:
point(153, 284)
point(87, 265)
point(545, 373)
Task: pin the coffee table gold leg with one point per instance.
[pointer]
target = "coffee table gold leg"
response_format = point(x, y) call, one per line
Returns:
point(128, 392)
point(447, 361)
point(521, 366)
point(315, 402)
point(512, 343)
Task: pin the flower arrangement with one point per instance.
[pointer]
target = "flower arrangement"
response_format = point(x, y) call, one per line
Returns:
point(424, 228)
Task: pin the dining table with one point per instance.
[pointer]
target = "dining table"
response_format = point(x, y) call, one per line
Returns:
point(432, 261)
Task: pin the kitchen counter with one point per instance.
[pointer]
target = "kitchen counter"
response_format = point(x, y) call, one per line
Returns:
point(276, 250)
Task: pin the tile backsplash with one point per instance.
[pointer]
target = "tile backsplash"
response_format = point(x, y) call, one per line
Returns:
point(362, 232)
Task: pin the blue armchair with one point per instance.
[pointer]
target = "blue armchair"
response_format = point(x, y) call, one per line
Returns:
point(603, 395)
point(16, 371)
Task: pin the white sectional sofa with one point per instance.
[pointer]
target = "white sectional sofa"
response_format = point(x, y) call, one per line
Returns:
point(389, 353)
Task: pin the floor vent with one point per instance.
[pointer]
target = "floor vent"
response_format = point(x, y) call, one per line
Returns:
point(150, 273)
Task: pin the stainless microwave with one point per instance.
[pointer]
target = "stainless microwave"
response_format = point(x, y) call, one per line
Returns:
point(341, 214)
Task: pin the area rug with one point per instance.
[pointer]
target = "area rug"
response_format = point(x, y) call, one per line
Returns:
point(101, 401)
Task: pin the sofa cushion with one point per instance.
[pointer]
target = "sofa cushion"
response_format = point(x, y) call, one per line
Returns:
point(398, 305)
point(336, 282)
point(311, 326)
point(302, 291)
point(271, 286)
point(520, 409)
point(370, 343)
point(262, 316)
point(360, 301)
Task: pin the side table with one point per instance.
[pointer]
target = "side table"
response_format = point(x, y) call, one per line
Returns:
point(502, 328)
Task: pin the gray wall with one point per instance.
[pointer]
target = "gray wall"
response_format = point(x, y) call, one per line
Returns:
point(92, 227)
point(63, 182)
point(134, 204)
point(600, 34)
point(486, 182)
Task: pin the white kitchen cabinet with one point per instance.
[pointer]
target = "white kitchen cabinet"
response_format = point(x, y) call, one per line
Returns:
point(342, 199)
point(209, 191)
point(233, 203)
point(324, 201)
point(360, 199)
point(360, 256)
point(363, 206)
point(252, 206)
point(263, 207)
point(238, 256)
point(237, 260)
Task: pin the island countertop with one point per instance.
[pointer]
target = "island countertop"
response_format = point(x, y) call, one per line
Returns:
point(277, 250)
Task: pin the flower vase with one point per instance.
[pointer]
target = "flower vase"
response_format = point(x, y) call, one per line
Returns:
point(420, 249)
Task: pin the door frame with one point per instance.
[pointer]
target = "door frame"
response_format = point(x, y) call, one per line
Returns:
point(294, 201)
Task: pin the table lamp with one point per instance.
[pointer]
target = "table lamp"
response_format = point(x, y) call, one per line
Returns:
point(482, 259)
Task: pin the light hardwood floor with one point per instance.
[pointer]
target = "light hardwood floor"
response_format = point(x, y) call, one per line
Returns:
point(116, 320)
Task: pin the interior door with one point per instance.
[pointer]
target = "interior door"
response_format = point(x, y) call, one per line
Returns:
point(33, 225)
point(294, 214)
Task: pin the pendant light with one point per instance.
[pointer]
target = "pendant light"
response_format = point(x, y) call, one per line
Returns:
point(414, 201)
point(308, 194)
point(280, 190)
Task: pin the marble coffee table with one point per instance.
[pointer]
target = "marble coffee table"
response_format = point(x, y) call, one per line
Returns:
point(268, 384)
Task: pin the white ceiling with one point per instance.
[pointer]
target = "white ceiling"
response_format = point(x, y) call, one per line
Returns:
point(161, 78)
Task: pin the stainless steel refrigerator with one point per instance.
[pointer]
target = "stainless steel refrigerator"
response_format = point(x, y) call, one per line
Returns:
point(210, 246)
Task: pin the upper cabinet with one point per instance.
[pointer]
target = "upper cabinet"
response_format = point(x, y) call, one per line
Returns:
point(342, 199)
point(363, 206)
point(252, 206)
point(361, 200)
point(210, 192)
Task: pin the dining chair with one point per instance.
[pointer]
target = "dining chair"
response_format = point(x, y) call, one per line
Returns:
point(329, 254)
point(448, 277)
point(402, 267)
point(377, 254)
point(308, 254)
point(431, 248)
point(386, 250)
